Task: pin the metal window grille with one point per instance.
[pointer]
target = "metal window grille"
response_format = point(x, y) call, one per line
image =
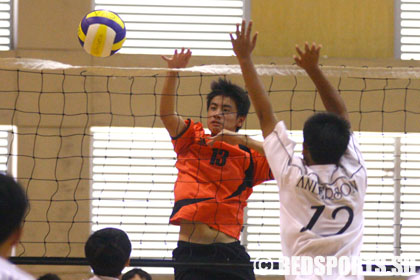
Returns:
point(6, 24)
point(8, 145)
point(160, 26)
point(407, 29)
point(134, 174)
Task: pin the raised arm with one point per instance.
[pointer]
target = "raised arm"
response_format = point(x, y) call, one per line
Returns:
point(170, 118)
point(243, 45)
point(308, 60)
point(235, 138)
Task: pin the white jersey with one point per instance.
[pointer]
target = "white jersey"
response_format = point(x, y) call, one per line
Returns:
point(321, 206)
point(9, 271)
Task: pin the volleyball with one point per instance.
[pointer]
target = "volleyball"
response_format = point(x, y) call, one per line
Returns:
point(101, 33)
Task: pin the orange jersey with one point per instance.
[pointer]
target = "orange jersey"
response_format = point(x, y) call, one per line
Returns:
point(214, 183)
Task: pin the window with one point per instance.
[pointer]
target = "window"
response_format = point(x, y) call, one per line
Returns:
point(134, 173)
point(8, 153)
point(133, 179)
point(407, 29)
point(6, 23)
point(8, 145)
point(160, 26)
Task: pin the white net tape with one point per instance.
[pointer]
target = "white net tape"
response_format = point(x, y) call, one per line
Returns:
point(268, 70)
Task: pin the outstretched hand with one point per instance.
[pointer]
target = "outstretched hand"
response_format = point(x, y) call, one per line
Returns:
point(178, 60)
point(244, 44)
point(227, 136)
point(308, 59)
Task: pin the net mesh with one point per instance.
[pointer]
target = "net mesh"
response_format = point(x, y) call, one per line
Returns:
point(89, 148)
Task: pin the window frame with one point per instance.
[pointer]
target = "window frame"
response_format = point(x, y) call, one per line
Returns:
point(397, 29)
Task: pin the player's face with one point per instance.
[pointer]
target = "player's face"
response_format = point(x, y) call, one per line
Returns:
point(222, 114)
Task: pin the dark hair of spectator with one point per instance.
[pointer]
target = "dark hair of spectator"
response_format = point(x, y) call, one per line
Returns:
point(13, 206)
point(108, 251)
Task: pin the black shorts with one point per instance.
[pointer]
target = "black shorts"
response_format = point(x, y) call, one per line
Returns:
point(191, 259)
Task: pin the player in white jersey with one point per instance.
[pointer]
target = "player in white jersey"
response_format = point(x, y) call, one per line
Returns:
point(13, 207)
point(9, 271)
point(321, 193)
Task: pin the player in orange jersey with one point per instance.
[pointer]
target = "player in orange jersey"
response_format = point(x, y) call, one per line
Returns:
point(216, 174)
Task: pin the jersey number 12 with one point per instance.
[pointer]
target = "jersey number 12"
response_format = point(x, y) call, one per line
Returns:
point(318, 212)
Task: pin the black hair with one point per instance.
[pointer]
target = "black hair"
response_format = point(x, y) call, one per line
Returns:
point(326, 136)
point(13, 206)
point(49, 276)
point(228, 89)
point(107, 251)
point(136, 271)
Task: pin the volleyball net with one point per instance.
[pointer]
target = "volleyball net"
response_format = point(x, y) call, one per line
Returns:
point(90, 150)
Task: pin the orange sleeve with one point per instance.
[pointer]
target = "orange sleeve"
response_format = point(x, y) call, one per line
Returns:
point(185, 139)
point(262, 171)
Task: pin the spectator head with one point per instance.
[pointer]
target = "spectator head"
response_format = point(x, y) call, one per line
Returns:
point(108, 251)
point(13, 207)
point(49, 276)
point(136, 274)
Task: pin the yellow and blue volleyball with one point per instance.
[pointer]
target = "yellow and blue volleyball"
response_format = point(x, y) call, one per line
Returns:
point(101, 33)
